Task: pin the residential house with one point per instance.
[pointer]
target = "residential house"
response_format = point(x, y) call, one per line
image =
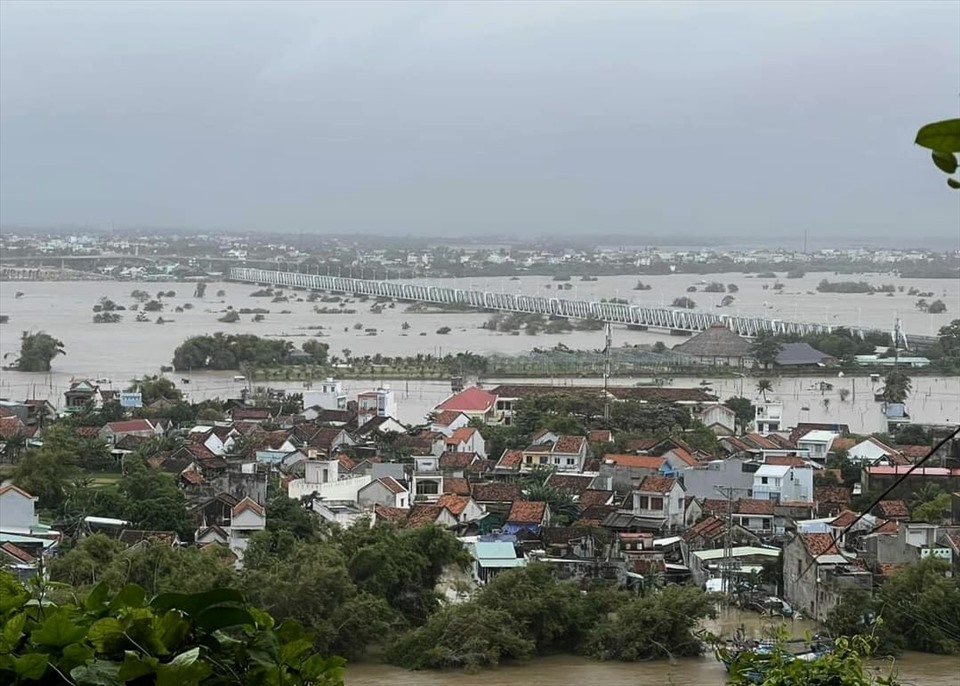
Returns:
point(423, 513)
point(342, 512)
point(448, 421)
point(217, 439)
point(892, 509)
point(328, 396)
point(717, 346)
point(82, 394)
point(380, 425)
point(463, 507)
point(720, 419)
point(660, 500)
point(734, 473)
point(426, 482)
point(114, 431)
point(322, 479)
point(17, 510)
point(816, 574)
point(573, 484)
point(768, 416)
point(474, 402)
point(871, 451)
point(831, 500)
point(458, 464)
point(528, 516)
point(423, 443)
point(755, 515)
point(625, 472)
point(904, 542)
point(385, 491)
point(247, 518)
point(466, 439)
point(496, 497)
point(561, 453)
point(711, 532)
point(783, 483)
point(509, 463)
point(882, 477)
point(380, 402)
point(492, 557)
point(677, 461)
point(817, 443)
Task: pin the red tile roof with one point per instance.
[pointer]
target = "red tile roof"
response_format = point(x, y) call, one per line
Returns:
point(844, 519)
point(456, 485)
point(446, 417)
point(471, 399)
point(819, 544)
point(600, 436)
point(462, 435)
point(18, 553)
point(423, 514)
point(593, 496)
point(393, 514)
point(247, 504)
point(575, 484)
point(527, 512)
point(888, 527)
point(569, 445)
point(392, 484)
point(708, 528)
point(657, 484)
point(455, 503)
point(832, 494)
point(450, 460)
point(785, 461)
point(635, 461)
point(346, 462)
point(130, 426)
point(510, 459)
point(753, 506)
point(11, 426)
point(16, 489)
point(639, 445)
point(893, 509)
point(495, 492)
point(714, 506)
point(914, 452)
point(684, 456)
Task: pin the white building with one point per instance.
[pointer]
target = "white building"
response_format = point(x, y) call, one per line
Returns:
point(871, 451)
point(329, 396)
point(783, 483)
point(377, 403)
point(817, 443)
point(246, 519)
point(769, 416)
point(322, 479)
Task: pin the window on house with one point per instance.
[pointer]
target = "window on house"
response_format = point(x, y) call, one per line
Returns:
point(571, 461)
point(763, 479)
point(543, 460)
point(643, 502)
point(656, 503)
point(799, 570)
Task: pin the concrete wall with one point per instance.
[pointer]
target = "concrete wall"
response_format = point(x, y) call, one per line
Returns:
point(16, 512)
point(702, 483)
point(344, 489)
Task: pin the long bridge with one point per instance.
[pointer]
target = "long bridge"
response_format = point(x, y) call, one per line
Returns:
point(672, 319)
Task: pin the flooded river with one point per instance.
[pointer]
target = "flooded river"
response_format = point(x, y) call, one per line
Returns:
point(122, 351)
point(912, 668)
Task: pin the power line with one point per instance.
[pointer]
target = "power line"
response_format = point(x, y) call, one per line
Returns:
point(882, 496)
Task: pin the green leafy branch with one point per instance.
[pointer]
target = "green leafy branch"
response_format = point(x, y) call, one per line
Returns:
point(943, 139)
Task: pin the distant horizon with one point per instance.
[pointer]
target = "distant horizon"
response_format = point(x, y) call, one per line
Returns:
point(815, 242)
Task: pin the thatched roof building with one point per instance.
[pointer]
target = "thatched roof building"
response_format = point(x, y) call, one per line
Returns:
point(719, 346)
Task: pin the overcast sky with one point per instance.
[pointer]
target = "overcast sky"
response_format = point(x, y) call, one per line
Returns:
point(433, 118)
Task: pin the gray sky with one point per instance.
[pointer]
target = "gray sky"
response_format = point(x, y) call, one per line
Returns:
point(640, 118)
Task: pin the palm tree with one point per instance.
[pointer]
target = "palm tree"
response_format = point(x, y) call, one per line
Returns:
point(896, 387)
point(764, 385)
point(15, 445)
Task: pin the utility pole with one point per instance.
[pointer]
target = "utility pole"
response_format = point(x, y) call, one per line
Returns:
point(608, 341)
point(728, 492)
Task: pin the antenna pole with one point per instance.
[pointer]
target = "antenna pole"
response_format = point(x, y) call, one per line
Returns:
point(606, 370)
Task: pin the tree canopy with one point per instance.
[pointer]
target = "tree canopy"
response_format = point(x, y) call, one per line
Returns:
point(37, 351)
point(229, 351)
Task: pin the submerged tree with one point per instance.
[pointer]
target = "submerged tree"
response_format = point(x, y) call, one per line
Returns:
point(37, 351)
point(896, 387)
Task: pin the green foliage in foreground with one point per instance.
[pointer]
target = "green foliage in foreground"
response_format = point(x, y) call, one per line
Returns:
point(526, 612)
point(174, 639)
point(844, 666)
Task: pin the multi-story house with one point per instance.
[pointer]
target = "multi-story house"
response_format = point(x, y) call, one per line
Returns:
point(660, 499)
point(783, 483)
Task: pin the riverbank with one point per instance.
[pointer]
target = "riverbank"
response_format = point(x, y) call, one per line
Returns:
point(920, 669)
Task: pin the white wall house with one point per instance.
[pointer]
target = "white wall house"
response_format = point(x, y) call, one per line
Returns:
point(322, 477)
point(427, 479)
point(871, 451)
point(17, 510)
point(769, 416)
point(329, 395)
point(817, 443)
point(783, 483)
point(385, 491)
point(246, 519)
point(380, 402)
point(660, 498)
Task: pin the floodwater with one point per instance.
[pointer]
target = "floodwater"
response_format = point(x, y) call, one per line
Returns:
point(122, 351)
point(912, 668)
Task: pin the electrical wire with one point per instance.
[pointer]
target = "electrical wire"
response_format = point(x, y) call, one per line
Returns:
point(882, 496)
